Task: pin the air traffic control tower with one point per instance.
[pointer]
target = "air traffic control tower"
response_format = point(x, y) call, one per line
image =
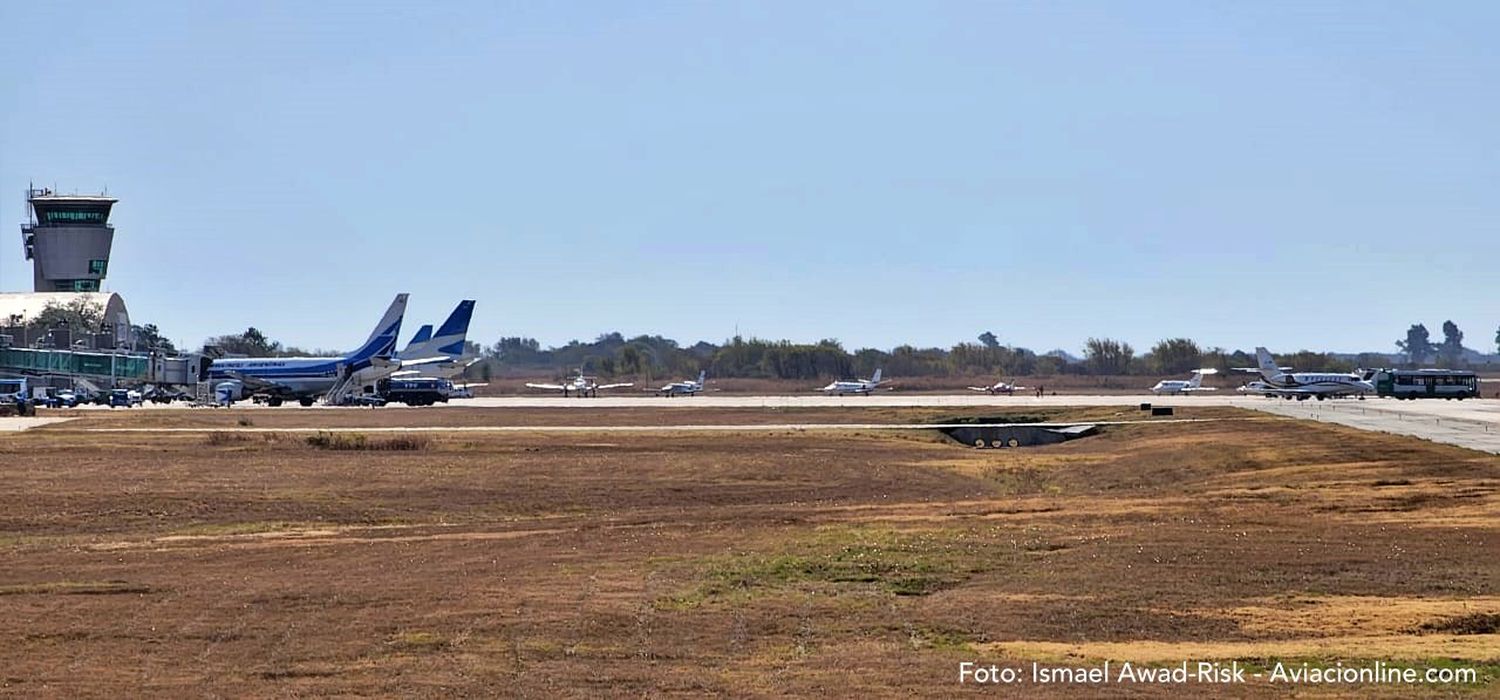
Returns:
point(68, 239)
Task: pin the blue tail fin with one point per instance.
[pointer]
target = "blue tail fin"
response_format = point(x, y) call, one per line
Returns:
point(450, 336)
point(382, 341)
point(423, 335)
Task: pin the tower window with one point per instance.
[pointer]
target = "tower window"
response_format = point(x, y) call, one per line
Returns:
point(97, 267)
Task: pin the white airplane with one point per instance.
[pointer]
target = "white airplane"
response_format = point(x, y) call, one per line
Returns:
point(1000, 387)
point(857, 386)
point(304, 379)
point(429, 355)
point(579, 386)
point(439, 355)
point(686, 387)
point(1278, 381)
point(1185, 386)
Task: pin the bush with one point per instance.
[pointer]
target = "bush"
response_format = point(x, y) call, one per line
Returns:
point(361, 442)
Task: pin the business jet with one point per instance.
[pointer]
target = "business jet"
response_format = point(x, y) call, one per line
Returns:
point(1184, 386)
point(1000, 387)
point(304, 379)
point(1280, 382)
point(686, 387)
point(857, 386)
point(579, 386)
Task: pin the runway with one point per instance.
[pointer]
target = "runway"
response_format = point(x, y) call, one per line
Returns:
point(1474, 424)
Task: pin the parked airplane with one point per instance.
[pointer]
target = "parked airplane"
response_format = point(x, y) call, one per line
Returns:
point(304, 379)
point(1000, 387)
point(686, 387)
point(439, 355)
point(579, 386)
point(1278, 381)
point(857, 386)
point(1184, 386)
point(427, 355)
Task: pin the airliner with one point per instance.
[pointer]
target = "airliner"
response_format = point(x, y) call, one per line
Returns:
point(579, 386)
point(304, 379)
point(436, 356)
point(857, 386)
point(1278, 381)
point(439, 355)
point(1184, 386)
point(1000, 387)
point(686, 387)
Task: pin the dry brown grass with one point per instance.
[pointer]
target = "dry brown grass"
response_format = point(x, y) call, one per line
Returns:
point(725, 564)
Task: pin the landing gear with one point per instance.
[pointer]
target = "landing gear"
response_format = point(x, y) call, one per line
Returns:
point(305, 401)
point(273, 402)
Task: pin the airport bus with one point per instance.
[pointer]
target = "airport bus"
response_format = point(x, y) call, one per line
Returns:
point(1425, 383)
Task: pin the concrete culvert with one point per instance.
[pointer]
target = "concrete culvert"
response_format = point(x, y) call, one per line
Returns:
point(1001, 436)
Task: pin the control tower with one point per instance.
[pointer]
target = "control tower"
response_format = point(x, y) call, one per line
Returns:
point(68, 238)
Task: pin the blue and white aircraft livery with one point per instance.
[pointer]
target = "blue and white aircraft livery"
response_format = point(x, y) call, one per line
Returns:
point(1279, 381)
point(304, 379)
point(439, 355)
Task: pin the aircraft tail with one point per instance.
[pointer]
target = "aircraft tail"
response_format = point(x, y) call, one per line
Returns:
point(875, 378)
point(423, 335)
point(702, 375)
point(382, 340)
point(1266, 363)
point(450, 336)
point(1197, 379)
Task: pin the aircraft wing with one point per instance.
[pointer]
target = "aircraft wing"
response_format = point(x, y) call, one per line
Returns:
point(549, 387)
point(979, 388)
point(614, 386)
point(417, 362)
point(1200, 388)
point(470, 386)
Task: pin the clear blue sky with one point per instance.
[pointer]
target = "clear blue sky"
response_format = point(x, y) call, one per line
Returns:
point(1290, 174)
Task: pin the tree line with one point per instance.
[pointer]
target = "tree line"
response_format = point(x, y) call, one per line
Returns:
point(612, 354)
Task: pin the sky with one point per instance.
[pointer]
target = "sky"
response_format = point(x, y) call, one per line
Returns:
point(1297, 175)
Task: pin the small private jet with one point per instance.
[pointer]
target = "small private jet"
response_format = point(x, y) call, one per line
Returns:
point(1280, 382)
point(1172, 387)
point(686, 387)
point(580, 386)
point(1000, 387)
point(857, 386)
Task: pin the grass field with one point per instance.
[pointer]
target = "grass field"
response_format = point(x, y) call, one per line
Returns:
point(229, 562)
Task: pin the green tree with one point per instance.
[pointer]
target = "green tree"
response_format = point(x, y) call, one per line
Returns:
point(1107, 356)
point(148, 337)
point(80, 316)
point(989, 340)
point(1451, 351)
point(1175, 356)
point(251, 343)
point(1418, 344)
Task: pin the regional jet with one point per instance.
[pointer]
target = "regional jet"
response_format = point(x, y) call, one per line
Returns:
point(579, 386)
point(1184, 386)
point(1278, 381)
point(857, 386)
point(304, 379)
point(686, 387)
point(1000, 387)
